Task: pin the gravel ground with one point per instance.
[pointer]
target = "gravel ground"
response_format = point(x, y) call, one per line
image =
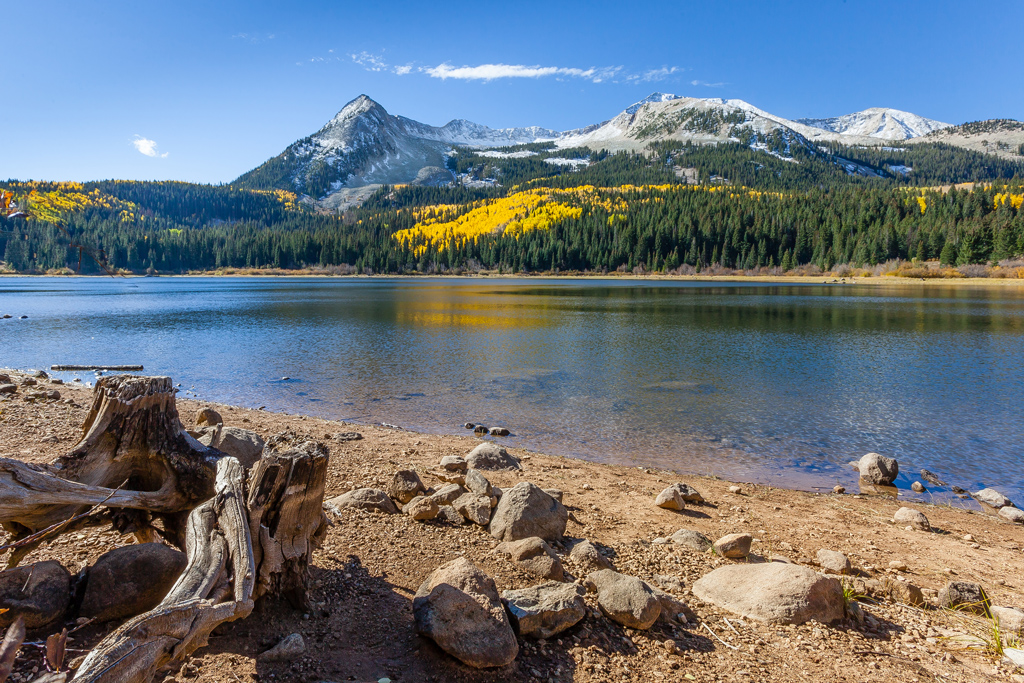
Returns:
point(360, 626)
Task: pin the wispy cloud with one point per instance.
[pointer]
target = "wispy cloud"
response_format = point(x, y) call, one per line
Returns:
point(705, 84)
point(403, 70)
point(490, 72)
point(659, 74)
point(370, 61)
point(147, 147)
point(253, 37)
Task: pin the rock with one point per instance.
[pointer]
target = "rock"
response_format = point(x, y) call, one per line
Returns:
point(40, 374)
point(499, 431)
point(448, 476)
point(545, 610)
point(898, 565)
point(992, 498)
point(447, 494)
point(1015, 656)
point(28, 382)
point(734, 546)
point(965, 596)
point(912, 517)
point(588, 558)
point(372, 500)
point(290, 648)
point(453, 463)
point(477, 482)
point(524, 511)
point(773, 592)
point(446, 513)
point(554, 493)
point(670, 499)
point(347, 436)
point(837, 489)
point(691, 539)
point(53, 395)
point(491, 456)
point(878, 469)
point(459, 609)
point(8, 388)
point(469, 425)
point(421, 508)
point(130, 580)
point(39, 592)
point(208, 417)
point(475, 507)
point(5, 379)
point(626, 600)
point(833, 561)
point(1012, 514)
point(668, 583)
point(932, 478)
point(243, 444)
point(1011, 621)
point(534, 555)
point(671, 607)
point(405, 485)
point(735, 489)
point(481, 430)
point(918, 487)
point(904, 592)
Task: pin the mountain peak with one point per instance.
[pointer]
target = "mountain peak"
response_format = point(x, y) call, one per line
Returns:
point(357, 107)
point(878, 122)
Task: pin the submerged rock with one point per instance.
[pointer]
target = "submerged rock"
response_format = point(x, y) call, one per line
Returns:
point(992, 498)
point(878, 469)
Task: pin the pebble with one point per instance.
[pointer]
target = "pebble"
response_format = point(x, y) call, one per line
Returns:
point(735, 489)
point(838, 489)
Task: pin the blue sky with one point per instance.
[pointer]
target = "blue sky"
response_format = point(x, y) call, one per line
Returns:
point(204, 91)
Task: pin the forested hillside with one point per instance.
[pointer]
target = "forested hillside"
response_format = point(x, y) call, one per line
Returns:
point(674, 208)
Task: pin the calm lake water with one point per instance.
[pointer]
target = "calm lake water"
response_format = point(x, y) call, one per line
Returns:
point(782, 384)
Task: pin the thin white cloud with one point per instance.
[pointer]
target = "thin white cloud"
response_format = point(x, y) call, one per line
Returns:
point(403, 70)
point(253, 37)
point(659, 74)
point(148, 147)
point(705, 84)
point(369, 61)
point(490, 72)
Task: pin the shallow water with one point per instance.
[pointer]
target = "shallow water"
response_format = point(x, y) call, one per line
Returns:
point(782, 384)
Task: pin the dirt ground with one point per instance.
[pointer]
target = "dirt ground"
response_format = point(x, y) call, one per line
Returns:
point(360, 626)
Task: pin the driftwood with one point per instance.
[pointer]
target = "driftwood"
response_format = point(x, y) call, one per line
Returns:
point(135, 456)
point(132, 442)
point(79, 368)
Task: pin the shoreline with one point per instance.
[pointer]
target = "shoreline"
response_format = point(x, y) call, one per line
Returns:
point(360, 627)
point(611, 277)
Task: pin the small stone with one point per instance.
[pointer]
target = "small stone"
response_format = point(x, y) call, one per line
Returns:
point(421, 508)
point(499, 431)
point(734, 546)
point(448, 494)
point(670, 499)
point(1011, 621)
point(966, 596)
point(453, 463)
point(476, 507)
point(534, 555)
point(290, 648)
point(833, 561)
point(878, 469)
point(554, 493)
point(898, 565)
point(208, 417)
point(691, 539)
point(446, 513)
point(8, 388)
point(372, 500)
point(736, 489)
point(912, 518)
point(481, 430)
point(838, 489)
point(588, 558)
point(992, 498)
point(405, 485)
point(624, 599)
point(918, 487)
point(1012, 514)
point(477, 482)
point(347, 436)
point(470, 425)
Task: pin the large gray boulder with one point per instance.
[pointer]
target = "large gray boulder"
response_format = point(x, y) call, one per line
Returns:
point(459, 609)
point(491, 456)
point(38, 592)
point(405, 485)
point(243, 444)
point(1012, 515)
point(371, 500)
point(992, 498)
point(535, 556)
point(625, 599)
point(524, 511)
point(773, 592)
point(130, 580)
point(878, 469)
point(545, 610)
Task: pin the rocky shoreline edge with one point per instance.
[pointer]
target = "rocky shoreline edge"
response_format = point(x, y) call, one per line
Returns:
point(587, 572)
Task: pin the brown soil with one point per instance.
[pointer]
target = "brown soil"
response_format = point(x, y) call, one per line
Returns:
point(361, 628)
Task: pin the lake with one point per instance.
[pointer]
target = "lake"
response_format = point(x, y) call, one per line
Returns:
point(780, 384)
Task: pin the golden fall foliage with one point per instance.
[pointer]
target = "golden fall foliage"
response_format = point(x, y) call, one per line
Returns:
point(48, 202)
point(1014, 200)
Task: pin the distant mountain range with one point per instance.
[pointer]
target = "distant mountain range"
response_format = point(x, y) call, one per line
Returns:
point(364, 146)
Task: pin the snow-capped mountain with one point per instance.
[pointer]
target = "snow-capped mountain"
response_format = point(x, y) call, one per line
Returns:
point(877, 122)
point(364, 145)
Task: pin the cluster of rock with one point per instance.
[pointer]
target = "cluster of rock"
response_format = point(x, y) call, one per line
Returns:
point(244, 444)
point(30, 388)
point(481, 430)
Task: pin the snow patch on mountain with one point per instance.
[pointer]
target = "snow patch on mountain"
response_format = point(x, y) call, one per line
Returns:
point(878, 122)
